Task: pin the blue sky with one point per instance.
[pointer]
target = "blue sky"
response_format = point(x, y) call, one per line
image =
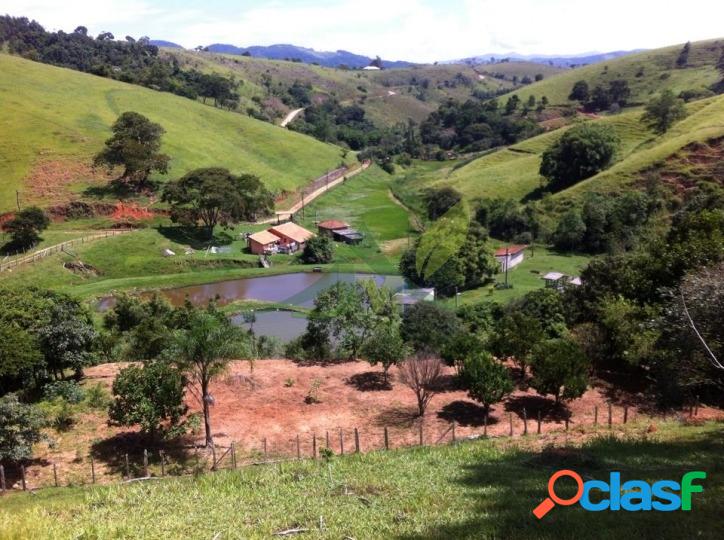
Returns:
point(417, 30)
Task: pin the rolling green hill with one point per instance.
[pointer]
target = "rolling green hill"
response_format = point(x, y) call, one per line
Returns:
point(388, 96)
point(647, 73)
point(513, 171)
point(53, 120)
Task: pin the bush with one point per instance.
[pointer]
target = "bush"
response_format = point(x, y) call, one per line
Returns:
point(69, 391)
point(318, 250)
point(486, 380)
point(560, 368)
point(20, 426)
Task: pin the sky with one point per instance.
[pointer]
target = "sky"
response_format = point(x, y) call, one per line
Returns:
point(413, 30)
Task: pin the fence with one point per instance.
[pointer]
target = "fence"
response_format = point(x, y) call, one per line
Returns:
point(144, 465)
point(57, 248)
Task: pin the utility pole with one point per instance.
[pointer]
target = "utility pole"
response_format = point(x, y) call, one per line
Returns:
point(17, 198)
point(302, 204)
point(506, 267)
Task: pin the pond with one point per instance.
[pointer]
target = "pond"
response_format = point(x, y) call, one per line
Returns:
point(298, 289)
point(283, 325)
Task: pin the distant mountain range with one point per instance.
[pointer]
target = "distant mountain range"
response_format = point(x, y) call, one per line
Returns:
point(352, 60)
point(553, 60)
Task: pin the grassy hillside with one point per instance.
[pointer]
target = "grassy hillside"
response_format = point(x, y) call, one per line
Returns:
point(55, 119)
point(513, 171)
point(647, 73)
point(481, 489)
point(388, 96)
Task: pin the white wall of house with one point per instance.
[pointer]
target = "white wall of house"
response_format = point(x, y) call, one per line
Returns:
point(511, 261)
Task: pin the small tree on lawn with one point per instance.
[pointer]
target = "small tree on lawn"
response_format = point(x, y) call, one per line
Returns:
point(135, 146)
point(560, 368)
point(20, 426)
point(203, 351)
point(421, 374)
point(663, 111)
point(25, 229)
point(384, 346)
point(151, 396)
point(318, 250)
point(486, 379)
point(517, 334)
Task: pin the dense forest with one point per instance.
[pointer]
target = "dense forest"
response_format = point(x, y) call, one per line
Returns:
point(132, 61)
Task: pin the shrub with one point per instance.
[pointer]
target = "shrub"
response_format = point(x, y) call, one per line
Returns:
point(318, 250)
point(486, 380)
point(69, 391)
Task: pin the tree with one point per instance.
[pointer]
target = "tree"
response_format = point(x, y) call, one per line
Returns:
point(384, 346)
point(202, 351)
point(512, 104)
point(427, 326)
point(547, 306)
point(20, 428)
point(579, 92)
point(663, 111)
point(439, 201)
point(560, 368)
point(151, 396)
point(517, 334)
point(25, 229)
point(213, 196)
point(570, 231)
point(20, 356)
point(421, 374)
point(486, 380)
point(580, 153)
point(135, 146)
point(318, 250)
point(683, 57)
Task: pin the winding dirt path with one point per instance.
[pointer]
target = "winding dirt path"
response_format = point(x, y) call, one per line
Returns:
point(291, 116)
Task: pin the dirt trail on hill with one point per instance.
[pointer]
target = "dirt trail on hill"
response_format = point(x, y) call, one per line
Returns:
point(291, 116)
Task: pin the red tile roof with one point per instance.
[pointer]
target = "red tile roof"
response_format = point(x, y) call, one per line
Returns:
point(332, 224)
point(512, 250)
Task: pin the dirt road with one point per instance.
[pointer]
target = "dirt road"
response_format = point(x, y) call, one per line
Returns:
point(291, 116)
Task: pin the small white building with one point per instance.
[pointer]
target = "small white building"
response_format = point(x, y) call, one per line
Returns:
point(370, 68)
point(558, 280)
point(409, 297)
point(509, 256)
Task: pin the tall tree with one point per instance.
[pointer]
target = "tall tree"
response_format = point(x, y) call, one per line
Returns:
point(25, 229)
point(135, 146)
point(203, 351)
point(213, 196)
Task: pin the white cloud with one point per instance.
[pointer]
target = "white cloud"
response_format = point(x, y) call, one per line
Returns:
point(421, 30)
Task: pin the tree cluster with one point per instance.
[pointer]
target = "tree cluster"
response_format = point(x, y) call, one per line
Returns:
point(601, 98)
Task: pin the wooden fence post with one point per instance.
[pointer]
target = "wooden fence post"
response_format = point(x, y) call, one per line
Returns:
point(387, 440)
point(510, 422)
point(93, 469)
point(314, 446)
point(625, 414)
point(55, 474)
point(163, 462)
point(696, 406)
point(145, 463)
point(213, 456)
point(453, 432)
point(265, 449)
point(595, 415)
point(421, 435)
point(485, 424)
point(22, 477)
point(539, 422)
point(299, 451)
point(2, 479)
point(327, 439)
point(356, 441)
point(610, 415)
point(341, 442)
point(128, 469)
point(525, 422)
point(567, 418)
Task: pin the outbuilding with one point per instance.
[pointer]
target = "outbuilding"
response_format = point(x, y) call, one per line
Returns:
point(348, 236)
point(327, 228)
point(510, 256)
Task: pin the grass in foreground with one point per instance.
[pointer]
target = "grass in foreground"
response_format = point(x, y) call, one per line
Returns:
point(482, 489)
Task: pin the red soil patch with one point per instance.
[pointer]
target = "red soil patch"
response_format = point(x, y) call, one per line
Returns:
point(130, 211)
point(51, 180)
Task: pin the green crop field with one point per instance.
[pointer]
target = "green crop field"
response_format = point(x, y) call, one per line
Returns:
point(647, 73)
point(476, 489)
point(54, 115)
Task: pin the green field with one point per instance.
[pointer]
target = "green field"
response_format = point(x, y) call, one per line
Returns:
point(481, 489)
point(647, 73)
point(57, 115)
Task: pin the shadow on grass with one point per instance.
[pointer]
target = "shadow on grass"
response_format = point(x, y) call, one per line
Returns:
point(113, 450)
point(502, 491)
point(467, 413)
point(196, 237)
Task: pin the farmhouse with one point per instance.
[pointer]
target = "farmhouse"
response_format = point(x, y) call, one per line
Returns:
point(291, 236)
point(509, 256)
point(263, 242)
point(327, 228)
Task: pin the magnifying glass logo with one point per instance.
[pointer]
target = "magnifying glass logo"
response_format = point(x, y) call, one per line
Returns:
point(549, 502)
